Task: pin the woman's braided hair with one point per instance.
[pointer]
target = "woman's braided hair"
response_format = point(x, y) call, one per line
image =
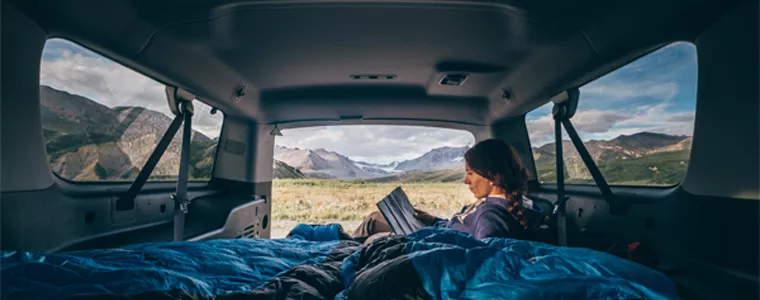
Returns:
point(498, 162)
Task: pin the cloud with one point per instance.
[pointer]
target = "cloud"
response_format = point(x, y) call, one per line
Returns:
point(375, 143)
point(541, 130)
point(684, 117)
point(594, 121)
point(71, 68)
point(609, 124)
point(616, 91)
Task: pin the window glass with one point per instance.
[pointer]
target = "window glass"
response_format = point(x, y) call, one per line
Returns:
point(636, 122)
point(336, 174)
point(101, 121)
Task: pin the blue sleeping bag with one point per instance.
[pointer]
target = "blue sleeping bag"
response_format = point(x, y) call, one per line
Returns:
point(433, 263)
point(452, 265)
point(174, 269)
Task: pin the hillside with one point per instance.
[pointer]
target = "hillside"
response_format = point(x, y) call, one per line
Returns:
point(88, 141)
point(282, 170)
point(642, 158)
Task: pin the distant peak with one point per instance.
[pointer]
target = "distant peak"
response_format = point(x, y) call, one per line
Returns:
point(648, 135)
point(448, 148)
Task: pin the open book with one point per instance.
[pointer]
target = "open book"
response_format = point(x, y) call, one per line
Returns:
point(399, 213)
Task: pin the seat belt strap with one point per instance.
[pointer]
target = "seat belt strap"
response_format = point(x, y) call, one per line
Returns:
point(604, 188)
point(559, 207)
point(127, 202)
point(180, 197)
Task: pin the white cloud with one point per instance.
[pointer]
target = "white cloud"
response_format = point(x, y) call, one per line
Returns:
point(616, 91)
point(594, 121)
point(541, 130)
point(375, 143)
point(606, 125)
point(683, 117)
point(71, 68)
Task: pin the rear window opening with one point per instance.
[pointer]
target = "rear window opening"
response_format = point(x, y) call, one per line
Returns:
point(101, 120)
point(336, 174)
point(636, 122)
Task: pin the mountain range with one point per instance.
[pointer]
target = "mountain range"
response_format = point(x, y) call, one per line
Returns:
point(88, 141)
point(642, 158)
point(321, 163)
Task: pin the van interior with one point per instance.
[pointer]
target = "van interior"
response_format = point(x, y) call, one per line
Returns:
point(480, 66)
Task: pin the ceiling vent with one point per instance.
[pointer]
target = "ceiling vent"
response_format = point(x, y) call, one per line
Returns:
point(373, 77)
point(454, 79)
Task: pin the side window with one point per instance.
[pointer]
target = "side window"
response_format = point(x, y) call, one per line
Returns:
point(101, 121)
point(636, 122)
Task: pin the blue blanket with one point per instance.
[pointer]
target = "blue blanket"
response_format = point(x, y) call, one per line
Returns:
point(202, 269)
point(437, 262)
point(454, 265)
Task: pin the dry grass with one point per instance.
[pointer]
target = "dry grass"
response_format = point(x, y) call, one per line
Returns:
point(321, 201)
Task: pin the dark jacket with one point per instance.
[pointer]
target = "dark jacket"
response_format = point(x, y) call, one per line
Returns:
point(489, 219)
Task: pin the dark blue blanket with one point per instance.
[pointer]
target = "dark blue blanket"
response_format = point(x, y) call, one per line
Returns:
point(446, 264)
point(206, 268)
point(454, 265)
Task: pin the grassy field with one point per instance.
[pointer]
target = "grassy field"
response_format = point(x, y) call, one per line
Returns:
point(322, 201)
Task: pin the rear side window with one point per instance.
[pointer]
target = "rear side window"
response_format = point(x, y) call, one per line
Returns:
point(636, 122)
point(101, 121)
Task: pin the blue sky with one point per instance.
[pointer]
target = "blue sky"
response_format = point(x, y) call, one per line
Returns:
point(655, 93)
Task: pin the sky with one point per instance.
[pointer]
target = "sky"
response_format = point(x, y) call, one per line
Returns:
point(375, 143)
point(655, 93)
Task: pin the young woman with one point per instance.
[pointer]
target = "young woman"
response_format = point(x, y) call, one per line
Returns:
point(497, 179)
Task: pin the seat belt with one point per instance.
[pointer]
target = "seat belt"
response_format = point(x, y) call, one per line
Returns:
point(560, 115)
point(604, 188)
point(559, 207)
point(127, 202)
point(180, 196)
point(180, 103)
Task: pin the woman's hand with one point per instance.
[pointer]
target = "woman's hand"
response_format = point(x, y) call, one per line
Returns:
point(424, 217)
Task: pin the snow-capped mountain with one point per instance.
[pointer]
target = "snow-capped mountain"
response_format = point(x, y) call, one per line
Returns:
point(444, 158)
point(321, 163)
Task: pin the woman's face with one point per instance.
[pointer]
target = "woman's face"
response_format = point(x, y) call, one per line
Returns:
point(479, 185)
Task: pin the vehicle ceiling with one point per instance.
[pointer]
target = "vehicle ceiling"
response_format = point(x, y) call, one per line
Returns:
point(296, 58)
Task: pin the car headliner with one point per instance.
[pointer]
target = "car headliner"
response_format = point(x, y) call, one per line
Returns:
point(295, 59)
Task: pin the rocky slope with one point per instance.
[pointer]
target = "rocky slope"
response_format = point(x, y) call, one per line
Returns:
point(88, 141)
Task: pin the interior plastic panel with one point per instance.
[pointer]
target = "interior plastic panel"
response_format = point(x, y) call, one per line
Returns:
point(50, 221)
point(726, 148)
point(24, 161)
point(248, 220)
point(706, 243)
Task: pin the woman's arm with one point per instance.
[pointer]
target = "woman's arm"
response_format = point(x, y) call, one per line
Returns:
point(425, 218)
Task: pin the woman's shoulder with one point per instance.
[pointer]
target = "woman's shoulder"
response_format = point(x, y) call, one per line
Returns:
point(495, 203)
point(497, 208)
